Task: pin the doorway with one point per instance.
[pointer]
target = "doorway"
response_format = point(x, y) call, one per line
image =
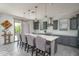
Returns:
point(18, 28)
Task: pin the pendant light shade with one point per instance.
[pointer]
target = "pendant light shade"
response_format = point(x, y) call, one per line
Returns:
point(50, 21)
point(46, 11)
point(36, 12)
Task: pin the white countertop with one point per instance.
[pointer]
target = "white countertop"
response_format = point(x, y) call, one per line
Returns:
point(49, 38)
point(31, 35)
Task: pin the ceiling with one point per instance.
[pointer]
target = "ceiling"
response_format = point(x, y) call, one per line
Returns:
point(53, 9)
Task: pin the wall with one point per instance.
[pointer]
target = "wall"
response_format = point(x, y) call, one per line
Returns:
point(9, 18)
point(27, 26)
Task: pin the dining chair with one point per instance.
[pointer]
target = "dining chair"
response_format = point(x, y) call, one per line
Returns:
point(41, 46)
point(31, 43)
point(24, 41)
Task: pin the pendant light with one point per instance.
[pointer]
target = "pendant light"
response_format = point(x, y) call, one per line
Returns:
point(24, 13)
point(29, 13)
point(36, 13)
point(46, 11)
point(50, 18)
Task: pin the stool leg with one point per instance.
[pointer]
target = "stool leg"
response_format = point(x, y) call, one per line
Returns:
point(25, 46)
point(43, 53)
point(32, 50)
point(36, 52)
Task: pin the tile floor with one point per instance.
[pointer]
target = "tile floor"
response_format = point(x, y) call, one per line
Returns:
point(13, 50)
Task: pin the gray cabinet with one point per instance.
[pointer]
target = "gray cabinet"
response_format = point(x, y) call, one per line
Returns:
point(78, 30)
point(59, 40)
point(67, 40)
point(73, 23)
point(73, 41)
point(45, 25)
point(55, 24)
point(36, 25)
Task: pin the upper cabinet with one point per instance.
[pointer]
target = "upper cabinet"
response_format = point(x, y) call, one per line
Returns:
point(73, 23)
point(55, 24)
point(36, 25)
point(45, 25)
point(77, 20)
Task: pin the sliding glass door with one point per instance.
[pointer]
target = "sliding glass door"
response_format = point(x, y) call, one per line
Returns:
point(18, 28)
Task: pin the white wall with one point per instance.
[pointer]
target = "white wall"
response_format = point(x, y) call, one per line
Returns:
point(27, 27)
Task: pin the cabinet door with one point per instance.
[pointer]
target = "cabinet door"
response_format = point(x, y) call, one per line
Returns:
point(78, 26)
point(78, 30)
point(73, 41)
point(77, 20)
point(73, 24)
point(36, 25)
point(44, 25)
point(60, 40)
point(66, 40)
point(55, 24)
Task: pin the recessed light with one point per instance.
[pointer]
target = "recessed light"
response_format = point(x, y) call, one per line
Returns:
point(33, 11)
point(36, 6)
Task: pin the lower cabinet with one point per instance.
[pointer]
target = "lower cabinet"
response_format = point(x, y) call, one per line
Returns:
point(73, 41)
point(78, 42)
point(67, 40)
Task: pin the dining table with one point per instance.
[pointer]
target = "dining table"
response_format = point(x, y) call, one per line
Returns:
point(51, 39)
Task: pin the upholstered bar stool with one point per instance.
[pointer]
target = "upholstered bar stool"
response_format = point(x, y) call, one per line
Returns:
point(41, 46)
point(24, 41)
point(31, 43)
